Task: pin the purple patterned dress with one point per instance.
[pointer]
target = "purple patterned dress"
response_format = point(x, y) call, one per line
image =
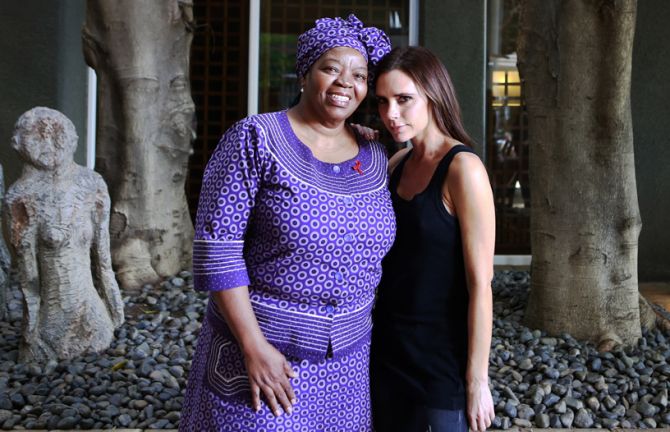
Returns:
point(307, 237)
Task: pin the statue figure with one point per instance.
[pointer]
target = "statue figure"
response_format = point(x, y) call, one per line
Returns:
point(5, 261)
point(58, 216)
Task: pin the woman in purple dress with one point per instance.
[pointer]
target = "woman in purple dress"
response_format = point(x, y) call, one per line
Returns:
point(293, 221)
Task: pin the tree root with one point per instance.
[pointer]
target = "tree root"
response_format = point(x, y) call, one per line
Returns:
point(653, 316)
point(608, 341)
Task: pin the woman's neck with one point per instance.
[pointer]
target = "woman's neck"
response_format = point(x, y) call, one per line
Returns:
point(306, 116)
point(317, 129)
point(432, 143)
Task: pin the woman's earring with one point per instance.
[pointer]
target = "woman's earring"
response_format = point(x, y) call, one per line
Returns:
point(302, 89)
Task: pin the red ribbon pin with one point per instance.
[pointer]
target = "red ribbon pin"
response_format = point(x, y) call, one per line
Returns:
point(357, 167)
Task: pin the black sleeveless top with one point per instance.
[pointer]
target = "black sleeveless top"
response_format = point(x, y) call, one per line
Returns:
point(420, 318)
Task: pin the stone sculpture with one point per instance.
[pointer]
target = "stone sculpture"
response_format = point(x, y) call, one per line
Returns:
point(58, 216)
point(4, 261)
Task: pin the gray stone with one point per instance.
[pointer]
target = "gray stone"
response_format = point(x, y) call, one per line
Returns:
point(97, 390)
point(522, 423)
point(66, 423)
point(609, 402)
point(661, 399)
point(583, 419)
point(5, 415)
point(593, 403)
point(160, 424)
point(551, 373)
point(526, 336)
point(633, 415)
point(559, 389)
point(550, 400)
point(510, 410)
point(5, 402)
point(567, 418)
point(645, 409)
point(610, 372)
point(176, 371)
point(573, 403)
point(610, 423)
point(596, 364)
point(555, 421)
point(17, 399)
point(649, 422)
point(526, 364)
point(525, 412)
point(542, 421)
point(157, 375)
point(549, 341)
point(536, 394)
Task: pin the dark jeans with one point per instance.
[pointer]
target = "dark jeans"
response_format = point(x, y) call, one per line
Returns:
point(419, 419)
point(393, 410)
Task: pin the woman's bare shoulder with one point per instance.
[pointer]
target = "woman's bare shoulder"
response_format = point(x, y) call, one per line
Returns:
point(467, 174)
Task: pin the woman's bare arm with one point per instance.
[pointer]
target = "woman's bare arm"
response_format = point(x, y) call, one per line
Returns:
point(470, 192)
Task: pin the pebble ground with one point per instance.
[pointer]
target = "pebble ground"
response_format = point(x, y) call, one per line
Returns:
point(538, 382)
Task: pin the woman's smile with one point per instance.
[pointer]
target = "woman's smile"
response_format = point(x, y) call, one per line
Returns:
point(339, 99)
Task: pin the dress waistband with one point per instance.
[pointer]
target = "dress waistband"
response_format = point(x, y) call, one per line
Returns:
point(303, 335)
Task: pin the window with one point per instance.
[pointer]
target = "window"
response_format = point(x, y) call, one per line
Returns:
point(507, 137)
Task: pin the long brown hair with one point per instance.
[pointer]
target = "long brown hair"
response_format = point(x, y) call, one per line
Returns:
point(432, 79)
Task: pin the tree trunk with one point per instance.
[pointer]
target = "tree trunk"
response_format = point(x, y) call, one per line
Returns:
point(575, 59)
point(140, 52)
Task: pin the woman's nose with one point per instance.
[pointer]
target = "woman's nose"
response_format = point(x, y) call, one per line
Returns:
point(345, 80)
point(393, 113)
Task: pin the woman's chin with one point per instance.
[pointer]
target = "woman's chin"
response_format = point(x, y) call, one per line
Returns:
point(338, 114)
point(400, 137)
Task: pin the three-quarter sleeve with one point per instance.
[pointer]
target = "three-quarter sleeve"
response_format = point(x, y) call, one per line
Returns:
point(227, 197)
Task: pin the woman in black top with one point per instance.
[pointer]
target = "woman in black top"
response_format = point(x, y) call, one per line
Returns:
point(433, 317)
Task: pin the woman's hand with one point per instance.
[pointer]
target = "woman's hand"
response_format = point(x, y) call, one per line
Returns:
point(269, 371)
point(480, 410)
point(366, 132)
point(267, 368)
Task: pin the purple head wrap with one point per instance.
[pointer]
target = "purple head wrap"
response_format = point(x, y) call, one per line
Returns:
point(329, 33)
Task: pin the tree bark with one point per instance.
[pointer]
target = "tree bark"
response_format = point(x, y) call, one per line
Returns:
point(140, 52)
point(575, 59)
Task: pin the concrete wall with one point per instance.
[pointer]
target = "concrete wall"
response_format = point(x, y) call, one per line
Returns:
point(651, 120)
point(42, 65)
point(456, 31)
